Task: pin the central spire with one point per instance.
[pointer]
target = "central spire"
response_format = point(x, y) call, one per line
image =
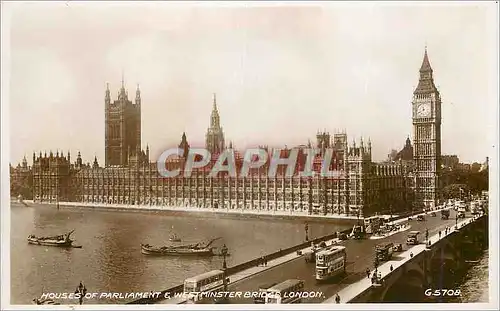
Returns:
point(215, 135)
point(214, 123)
point(123, 79)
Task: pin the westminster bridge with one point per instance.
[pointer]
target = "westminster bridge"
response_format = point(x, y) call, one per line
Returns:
point(427, 265)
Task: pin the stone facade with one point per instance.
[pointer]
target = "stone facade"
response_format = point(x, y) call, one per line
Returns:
point(365, 188)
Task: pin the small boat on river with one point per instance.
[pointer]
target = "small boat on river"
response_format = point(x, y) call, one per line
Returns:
point(57, 240)
point(41, 301)
point(174, 238)
point(198, 249)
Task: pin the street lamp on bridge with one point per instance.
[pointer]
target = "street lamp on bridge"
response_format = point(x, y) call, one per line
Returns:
point(306, 228)
point(224, 252)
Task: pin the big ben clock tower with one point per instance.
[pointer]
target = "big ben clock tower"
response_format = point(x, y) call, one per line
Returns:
point(427, 137)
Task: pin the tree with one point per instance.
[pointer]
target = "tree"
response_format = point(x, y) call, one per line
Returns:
point(475, 167)
point(454, 191)
point(469, 180)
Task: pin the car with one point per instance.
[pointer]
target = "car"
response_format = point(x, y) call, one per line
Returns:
point(433, 214)
point(420, 218)
point(398, 247)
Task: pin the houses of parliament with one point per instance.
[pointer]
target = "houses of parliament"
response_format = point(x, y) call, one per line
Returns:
point(411, 180)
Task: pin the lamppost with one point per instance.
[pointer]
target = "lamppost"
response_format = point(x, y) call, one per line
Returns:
point(224, 254)
point(57, 192)
point(306, 228)
point(224, 268)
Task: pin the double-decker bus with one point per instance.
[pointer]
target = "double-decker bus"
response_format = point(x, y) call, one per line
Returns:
point(372, 224)
point(384, 251)
point(288, 291)
point(330, 262)
point(206, 282)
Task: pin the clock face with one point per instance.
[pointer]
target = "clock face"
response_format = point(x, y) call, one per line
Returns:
point(424, 110)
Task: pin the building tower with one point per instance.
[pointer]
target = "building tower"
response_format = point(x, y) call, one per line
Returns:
point(323, 141)
point(122, 127)
point(184, 145)
point(215, 134)
point(426, 106)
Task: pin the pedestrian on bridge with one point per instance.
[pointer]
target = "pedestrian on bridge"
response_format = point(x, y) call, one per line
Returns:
point(391, 268)
point(439, 234)
point(337, 298)
point(367, 273)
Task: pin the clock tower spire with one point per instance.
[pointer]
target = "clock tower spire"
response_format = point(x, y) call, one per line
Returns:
point(426, 106)
point(426, 80)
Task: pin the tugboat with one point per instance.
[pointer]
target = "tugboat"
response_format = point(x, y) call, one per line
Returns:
point(197, 249)
point(58, 240)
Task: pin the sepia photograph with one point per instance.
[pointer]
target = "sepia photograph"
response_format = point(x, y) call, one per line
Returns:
point(249, 153)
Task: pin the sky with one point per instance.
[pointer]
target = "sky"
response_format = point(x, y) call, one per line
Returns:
point(281, 72)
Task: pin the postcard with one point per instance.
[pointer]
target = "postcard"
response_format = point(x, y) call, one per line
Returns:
point(254, 155)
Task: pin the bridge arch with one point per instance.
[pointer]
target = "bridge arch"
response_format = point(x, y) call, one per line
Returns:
point(448, 247)
point(408, 287)
point(444, 263)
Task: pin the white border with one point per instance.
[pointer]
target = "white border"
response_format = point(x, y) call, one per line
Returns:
point(5, 171)
point(5, 199)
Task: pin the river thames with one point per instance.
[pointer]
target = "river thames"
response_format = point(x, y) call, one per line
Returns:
point(111, 259)
point(474, 286)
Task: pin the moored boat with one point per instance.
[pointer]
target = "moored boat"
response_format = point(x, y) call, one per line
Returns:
point(197, 249)
point(147, 249)
point(58, 240)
